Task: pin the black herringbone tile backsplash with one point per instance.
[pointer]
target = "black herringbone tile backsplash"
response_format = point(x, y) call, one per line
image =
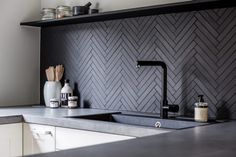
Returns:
point(100, 60)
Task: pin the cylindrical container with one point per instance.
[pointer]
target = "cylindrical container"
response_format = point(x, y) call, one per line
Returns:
point(201, 110)
point(52, 89)
point(63, 11)
point(66, 92)
point(54, 103)
point(79, 10)
point(94, 11)
point(48, 13)
point(201, 113)
point(73, 102)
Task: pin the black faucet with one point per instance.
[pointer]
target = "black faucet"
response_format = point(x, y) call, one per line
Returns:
point(165, 107)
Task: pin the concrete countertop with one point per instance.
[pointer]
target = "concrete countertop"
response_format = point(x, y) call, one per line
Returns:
point(206, 141)
point(48, 112)
point(59, 118)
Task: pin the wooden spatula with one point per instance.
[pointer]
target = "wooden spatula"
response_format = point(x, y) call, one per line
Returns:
point(59, 72)
point(50, 73)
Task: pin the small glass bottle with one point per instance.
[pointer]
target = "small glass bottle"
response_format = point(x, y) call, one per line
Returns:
point(66, 92)
point(63, 11)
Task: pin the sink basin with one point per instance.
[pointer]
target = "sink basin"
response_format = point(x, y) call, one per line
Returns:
point(144, 121)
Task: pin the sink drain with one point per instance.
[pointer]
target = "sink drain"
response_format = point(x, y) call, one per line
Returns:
point(158, 124)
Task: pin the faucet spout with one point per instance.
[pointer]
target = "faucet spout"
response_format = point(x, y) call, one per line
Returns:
point(164, 105)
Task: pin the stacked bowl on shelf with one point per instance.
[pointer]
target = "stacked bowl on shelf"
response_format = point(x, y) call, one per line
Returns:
point(48, 13)
point(66, 11)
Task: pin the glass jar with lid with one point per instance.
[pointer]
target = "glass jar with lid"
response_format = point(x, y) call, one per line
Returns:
point(48, 13)
point(63, 11)
point(73, 102)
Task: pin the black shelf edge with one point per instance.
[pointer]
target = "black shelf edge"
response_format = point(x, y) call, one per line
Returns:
point(194, 5)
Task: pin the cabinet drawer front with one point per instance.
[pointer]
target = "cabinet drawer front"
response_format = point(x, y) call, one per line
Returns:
point(72, 138)
point(11, 140)
point(38, 139)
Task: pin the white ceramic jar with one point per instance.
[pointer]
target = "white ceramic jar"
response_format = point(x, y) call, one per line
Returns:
point(52, 89)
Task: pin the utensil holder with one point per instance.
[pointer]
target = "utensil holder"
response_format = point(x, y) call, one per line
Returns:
point(52, 89)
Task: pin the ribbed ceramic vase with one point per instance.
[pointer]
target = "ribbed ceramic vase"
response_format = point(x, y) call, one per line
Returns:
point(52, 89)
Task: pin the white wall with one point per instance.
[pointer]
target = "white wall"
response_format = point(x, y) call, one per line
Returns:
point(19, 53)
point(107, 5)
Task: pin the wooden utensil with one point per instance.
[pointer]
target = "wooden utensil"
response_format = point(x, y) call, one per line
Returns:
point(47, 74)
point(50, 73)
point(59, 72)
point(51, 69)
point(55, 74)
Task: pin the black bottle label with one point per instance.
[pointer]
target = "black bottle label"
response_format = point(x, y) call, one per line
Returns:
point(64, 99)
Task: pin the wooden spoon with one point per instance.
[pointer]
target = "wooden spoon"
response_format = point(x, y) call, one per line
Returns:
point(50, 73)
point(59, 72)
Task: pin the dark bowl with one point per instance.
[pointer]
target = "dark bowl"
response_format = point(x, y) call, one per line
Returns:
point(80, 10)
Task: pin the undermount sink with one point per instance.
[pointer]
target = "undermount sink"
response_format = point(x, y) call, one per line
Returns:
point(143, 121)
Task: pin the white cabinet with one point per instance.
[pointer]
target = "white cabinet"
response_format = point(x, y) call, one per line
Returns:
point(11, 140)
point(38, 139)
point(42, 138)
point(72, 138)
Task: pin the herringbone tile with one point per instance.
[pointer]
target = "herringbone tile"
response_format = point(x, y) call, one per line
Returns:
point(199, 49)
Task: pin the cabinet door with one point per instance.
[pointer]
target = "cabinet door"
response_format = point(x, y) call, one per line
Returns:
point(11, 140)
point(38, 139)
point(72, 138)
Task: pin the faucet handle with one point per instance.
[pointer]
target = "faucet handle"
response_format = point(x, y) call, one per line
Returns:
point(171, 108)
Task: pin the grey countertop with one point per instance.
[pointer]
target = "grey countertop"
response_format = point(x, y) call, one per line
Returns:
point(48, 112)
point(217, 140)
point(206, 141)
point(59, 118)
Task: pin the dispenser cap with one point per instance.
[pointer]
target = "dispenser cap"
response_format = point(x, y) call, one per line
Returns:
point(201, 98)
point(67, 81)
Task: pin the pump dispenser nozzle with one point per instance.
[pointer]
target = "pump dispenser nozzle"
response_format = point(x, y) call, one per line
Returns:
point(201, 98)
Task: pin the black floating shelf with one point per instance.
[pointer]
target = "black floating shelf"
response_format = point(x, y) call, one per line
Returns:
point(194, 5)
